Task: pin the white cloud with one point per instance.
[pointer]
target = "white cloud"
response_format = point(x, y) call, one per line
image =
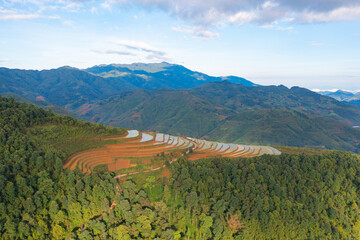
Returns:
point(117, 52)
point(72, 6)
point(275, 26)
point(32, 9)
point(212, 12)
point(143, 49)
point(344, 13)
point(285, 28)
point(18, 16)
point(203, 13)
point(140, 46)
point(317, 44)
point(68, 23)
point(106, 5)
point(6, 11)
point(94, 10)
point(197, 32)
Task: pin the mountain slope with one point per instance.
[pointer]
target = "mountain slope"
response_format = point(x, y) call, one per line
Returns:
point(59, 86)
point(165, 110)
point(280, 127)
point(37, 102)
point(232, 113)
point(240, 98)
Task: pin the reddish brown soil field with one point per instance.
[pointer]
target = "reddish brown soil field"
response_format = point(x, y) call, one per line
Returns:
point(131, 151)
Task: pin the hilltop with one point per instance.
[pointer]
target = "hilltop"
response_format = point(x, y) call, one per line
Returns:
point(160, 75)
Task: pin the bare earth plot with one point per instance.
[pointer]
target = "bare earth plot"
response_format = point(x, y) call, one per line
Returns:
point(140, 147)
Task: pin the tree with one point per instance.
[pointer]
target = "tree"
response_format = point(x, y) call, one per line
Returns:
point(149, 181)
point(58, 232)
point(234, 223)
point(206, 224)
point(123, 232)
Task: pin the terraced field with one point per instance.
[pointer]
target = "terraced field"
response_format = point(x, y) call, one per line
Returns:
point(205, 149)
point(139, 148)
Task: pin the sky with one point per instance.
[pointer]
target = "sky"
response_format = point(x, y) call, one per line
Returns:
point(308, 43)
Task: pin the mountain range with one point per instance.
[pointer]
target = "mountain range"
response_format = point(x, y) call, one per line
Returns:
point(173, 99)
point(343, 95)
point(66, 85)
point(231, 112)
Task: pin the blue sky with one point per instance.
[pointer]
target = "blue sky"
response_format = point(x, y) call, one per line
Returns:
point(308, 43)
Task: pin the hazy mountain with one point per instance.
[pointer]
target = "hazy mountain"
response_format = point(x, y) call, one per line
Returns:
point(341, 95)
point(345, 96)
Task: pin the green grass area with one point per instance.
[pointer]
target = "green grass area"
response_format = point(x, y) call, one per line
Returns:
point(101, 168)
point(71, 138)
point(137, 168)
point(156, 179)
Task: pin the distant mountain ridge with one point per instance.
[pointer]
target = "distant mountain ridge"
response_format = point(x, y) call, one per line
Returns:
point(160, 75)
point(66, 85)
point(352, 97)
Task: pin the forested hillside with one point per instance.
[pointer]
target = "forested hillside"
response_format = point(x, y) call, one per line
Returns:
point(271, 197)
point(58, 86)
point(40, 102)
point(289, 128)
point(227, 112)
point(242, 98)
point(268, 197)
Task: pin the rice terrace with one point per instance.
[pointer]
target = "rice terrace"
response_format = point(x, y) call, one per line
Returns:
point(148, 151)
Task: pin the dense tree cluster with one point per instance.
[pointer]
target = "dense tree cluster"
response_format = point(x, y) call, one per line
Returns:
point(272, 197)
point(268, 197)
